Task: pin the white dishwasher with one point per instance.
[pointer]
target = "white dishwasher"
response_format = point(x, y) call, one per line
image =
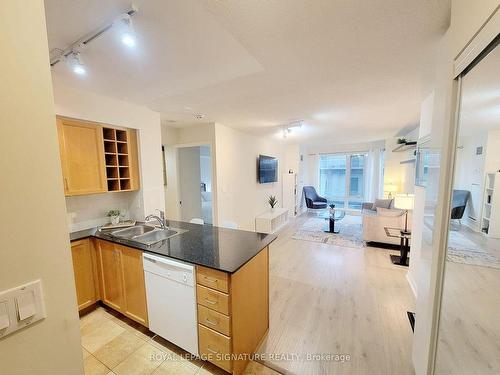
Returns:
point(171, 297)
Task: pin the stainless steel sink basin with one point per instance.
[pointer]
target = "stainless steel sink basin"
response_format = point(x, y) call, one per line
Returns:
point(132, 232)
point(155, 236)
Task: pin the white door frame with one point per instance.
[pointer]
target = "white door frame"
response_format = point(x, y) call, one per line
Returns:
point(214, 182)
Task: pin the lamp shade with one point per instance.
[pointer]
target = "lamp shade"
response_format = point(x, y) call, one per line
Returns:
point(391, 188)
point(404, 201)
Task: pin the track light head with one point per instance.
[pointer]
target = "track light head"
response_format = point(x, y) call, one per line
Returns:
point(128, 35)
point(76, 62)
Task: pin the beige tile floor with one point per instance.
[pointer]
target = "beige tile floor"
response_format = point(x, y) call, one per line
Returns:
point(115, 345)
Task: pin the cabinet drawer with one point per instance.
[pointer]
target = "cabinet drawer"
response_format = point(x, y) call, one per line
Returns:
point(214, 320)
point(213, 279)
point(212, 299)
point(215, 347)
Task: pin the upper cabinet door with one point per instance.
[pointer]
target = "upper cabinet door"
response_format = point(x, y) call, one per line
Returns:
point(82, 157)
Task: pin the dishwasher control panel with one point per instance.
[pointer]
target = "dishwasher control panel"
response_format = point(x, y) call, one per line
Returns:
point(171, 269)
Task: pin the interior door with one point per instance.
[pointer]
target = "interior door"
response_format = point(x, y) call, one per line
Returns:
point(189, 181)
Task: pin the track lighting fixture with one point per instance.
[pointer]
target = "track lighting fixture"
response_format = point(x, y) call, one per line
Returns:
point(128, 35)
point(287, 129)
point(72, 53)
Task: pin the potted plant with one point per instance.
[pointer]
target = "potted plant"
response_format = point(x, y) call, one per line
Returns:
point(114, 216)
point(272, 201)
point(402, 141)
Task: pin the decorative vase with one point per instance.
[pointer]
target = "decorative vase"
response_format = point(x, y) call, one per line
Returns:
point(272, 209)
point(115, 219)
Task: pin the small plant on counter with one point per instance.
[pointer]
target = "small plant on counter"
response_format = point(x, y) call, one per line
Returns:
point(272, 201)
point(114, 216)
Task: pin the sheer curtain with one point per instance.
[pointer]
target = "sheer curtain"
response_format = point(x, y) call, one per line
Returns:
point(374, 175)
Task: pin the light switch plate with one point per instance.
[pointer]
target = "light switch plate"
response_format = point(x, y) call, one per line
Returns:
point(24, 306)
point(4, 316)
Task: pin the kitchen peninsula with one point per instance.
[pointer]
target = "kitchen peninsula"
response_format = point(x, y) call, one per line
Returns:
point(230, 283)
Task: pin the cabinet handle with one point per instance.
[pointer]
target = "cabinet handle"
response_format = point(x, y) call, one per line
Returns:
point(210, 301)
point(212, 351)
point(211, 322)
point(66, 183)
point(210, 279)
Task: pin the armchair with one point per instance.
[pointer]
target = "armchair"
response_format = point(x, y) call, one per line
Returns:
point(313, 200)
point(458, 203)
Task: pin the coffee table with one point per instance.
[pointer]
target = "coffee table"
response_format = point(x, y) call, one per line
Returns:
point(333, 216)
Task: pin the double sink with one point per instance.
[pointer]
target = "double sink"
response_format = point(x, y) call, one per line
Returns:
point(146, 234)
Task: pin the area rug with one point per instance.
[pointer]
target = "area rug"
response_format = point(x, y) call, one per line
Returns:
point(463, 250)
point(349, 236)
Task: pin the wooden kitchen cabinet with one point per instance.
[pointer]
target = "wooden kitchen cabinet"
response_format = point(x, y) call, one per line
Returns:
point(134, 286)
point(122, 280)
point(110, 265)
point(82, 157)
point(233, 312)
point(85, 271)
point(97, 158)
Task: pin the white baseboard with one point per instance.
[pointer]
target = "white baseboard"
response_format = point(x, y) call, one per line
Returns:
point(412, 283)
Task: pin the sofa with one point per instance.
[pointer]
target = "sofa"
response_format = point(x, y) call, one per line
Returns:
point(382, 214)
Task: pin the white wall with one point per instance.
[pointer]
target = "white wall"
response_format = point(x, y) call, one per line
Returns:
point(32, 194)
point(418, 215)
point(87, 211)
point(401, 175)
point(240, 197)
point(89, 106)
point(427, 267)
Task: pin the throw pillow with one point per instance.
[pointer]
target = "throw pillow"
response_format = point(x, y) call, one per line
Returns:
point(389, 212)
point(382, 203)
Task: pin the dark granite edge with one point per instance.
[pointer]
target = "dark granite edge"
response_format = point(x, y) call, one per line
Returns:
point(91, 233)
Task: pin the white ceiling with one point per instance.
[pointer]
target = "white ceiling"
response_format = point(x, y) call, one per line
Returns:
point(351, 69)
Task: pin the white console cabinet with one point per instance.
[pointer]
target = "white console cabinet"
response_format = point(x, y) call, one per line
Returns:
point(271, 221)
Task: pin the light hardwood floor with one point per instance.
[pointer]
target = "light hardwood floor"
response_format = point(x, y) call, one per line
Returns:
point(337, 300)
point(469, 331)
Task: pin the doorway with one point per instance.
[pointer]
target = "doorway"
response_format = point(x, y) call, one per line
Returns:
point(195, 183)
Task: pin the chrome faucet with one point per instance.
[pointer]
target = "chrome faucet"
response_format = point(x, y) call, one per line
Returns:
point(160, 219)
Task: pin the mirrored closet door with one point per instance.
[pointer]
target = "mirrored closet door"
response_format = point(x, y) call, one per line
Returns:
point(469, 324)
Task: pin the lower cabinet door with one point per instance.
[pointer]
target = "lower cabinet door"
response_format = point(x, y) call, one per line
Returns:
point(134, 288)
point(85, 273)
point(215, 347)
point(111, 275)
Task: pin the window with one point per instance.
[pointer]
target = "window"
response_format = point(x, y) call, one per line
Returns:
point(341, 179)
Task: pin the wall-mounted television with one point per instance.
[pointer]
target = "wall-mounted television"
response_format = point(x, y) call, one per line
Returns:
point(267, 169)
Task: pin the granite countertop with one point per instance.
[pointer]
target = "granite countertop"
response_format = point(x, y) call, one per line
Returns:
point(206, 245)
